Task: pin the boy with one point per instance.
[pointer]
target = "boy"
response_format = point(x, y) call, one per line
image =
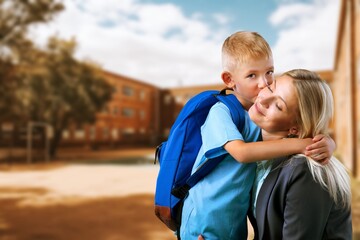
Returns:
point(217, 206)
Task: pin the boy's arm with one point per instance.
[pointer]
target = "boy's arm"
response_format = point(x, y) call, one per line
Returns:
point(264, 150)
point(322, 148)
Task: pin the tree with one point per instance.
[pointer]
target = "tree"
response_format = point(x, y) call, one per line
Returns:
point(63, 90)
point(47, 85)
point(15, 18)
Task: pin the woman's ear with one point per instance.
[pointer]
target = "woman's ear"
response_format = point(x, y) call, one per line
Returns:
point(226, 77)
point(294, 131)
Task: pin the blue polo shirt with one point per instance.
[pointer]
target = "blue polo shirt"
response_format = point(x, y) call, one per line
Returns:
point(216, 207)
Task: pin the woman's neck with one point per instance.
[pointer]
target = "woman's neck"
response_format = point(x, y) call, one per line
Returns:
point(267, 136)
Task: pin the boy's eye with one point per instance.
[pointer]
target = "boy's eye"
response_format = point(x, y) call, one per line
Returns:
point(270, 77)
point(278, 107)
point(251, 76)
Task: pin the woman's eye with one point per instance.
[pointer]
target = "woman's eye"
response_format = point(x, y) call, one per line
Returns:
point(279, 107)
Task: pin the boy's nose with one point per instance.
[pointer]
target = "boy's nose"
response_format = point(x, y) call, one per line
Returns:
point(262, 83)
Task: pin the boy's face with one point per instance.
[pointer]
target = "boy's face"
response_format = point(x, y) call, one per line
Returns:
point(249, 78)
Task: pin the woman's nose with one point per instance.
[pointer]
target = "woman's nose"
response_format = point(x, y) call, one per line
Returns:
point(265, 99)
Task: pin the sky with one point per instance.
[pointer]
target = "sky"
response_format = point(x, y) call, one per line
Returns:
point(178, 43)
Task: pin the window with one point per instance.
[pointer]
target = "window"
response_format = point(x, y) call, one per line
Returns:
point(115, 110)
point(179, 99)
point(142, 114)
point(128, 91)
point(128, 132)
point(142, 95)
point(79, 134)
point(114, 90)
point(127, 112)
point(65, 134)
point(167, 99)
point(114, 133)
point(92, 133)
point(105, 133)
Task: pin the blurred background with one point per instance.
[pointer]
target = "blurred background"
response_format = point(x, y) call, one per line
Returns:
point(88, 89)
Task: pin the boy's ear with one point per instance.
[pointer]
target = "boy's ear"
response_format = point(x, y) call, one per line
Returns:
point(226, 77)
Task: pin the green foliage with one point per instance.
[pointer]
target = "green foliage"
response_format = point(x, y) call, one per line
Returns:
point(44, 85)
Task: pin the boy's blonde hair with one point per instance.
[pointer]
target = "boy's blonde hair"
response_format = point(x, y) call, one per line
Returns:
point(315, 104)
point(242, 46)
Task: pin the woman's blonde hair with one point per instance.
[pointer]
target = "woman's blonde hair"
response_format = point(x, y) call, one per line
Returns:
point(315, 111)
point(242, 46)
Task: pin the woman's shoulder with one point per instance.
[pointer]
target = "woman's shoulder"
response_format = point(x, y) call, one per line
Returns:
point(294, 165)
point(293, 161)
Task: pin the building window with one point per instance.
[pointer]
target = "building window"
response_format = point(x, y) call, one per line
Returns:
point(167, 99)
point(92, 133)
point(105, 133)
point(128, 91)
point(79, 134)
point(142, 95)
point(142, 114)
point(65, 134)
point(128, 132)
point(115, 110)
point(114, 90)
point(127, 112)
point(179, 99)
point(114, 133)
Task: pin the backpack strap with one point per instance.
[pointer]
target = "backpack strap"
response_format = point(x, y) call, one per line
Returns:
point(238, 116)
point(237, 111)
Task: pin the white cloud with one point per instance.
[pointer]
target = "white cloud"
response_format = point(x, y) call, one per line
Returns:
point(221, 19)
point(160, 44)
point(307, 35)
point(153, 43)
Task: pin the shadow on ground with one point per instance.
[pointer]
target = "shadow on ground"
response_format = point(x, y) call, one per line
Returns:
point(129, 217)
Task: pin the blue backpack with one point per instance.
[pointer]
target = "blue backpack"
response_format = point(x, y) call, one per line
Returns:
point(178, 154)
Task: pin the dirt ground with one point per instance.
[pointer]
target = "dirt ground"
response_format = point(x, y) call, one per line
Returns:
point(62, 201)
point(128, 217)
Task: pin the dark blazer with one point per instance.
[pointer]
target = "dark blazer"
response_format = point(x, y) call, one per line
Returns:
point(291, 205)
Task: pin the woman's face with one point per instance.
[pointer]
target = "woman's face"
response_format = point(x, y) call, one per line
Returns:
point(276, 111)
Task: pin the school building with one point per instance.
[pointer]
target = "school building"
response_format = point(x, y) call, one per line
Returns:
point(129, 119)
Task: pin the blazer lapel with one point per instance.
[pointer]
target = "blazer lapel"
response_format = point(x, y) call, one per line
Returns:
point(264, 195)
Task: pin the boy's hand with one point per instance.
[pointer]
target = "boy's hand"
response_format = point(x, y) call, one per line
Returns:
point(200, 237)
point(322, 148)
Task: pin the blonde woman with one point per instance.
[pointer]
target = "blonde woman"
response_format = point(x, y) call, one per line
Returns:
point(294, 197)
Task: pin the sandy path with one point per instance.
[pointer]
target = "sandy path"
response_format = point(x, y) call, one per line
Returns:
point(81, 181)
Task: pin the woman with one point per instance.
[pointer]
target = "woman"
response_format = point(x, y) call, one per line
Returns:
point(299, 198)
point(294, 197)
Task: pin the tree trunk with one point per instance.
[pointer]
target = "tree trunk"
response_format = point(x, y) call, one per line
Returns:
point(55, 142)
